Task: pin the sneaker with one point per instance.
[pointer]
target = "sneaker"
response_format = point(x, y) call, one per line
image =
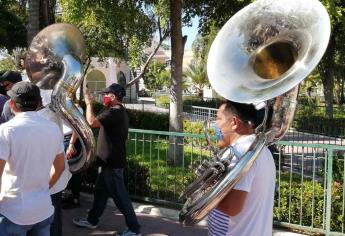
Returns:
point(82, 222)
point(130, 233)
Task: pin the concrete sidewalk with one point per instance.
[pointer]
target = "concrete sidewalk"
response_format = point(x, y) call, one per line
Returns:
point(155, 221)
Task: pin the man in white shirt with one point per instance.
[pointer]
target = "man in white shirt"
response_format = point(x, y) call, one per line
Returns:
point(248, 208)
point(26, 159)
point(61, 184)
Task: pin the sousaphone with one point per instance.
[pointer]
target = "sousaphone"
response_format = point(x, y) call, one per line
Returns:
point(55, 62)
point(260, 55)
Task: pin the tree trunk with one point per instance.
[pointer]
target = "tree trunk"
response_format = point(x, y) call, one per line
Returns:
point(327, 81)
point(33, 19)
point(47, 13)
point(176, 106)
point(342, 98)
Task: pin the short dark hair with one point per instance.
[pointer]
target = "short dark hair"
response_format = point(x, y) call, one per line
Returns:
point(245, 112)
point(26, 95)
point(11, 76)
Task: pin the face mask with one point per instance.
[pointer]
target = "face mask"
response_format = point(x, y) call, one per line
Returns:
point(106, 101)
point(219, 134)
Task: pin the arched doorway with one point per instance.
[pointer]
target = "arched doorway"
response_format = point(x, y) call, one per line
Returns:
point(96, 81)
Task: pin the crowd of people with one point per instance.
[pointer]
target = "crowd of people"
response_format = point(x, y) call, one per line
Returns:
point(34, 169)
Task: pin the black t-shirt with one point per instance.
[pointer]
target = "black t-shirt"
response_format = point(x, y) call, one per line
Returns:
point(115, 123)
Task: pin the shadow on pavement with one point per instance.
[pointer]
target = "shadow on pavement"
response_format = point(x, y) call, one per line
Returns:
point(112, 221)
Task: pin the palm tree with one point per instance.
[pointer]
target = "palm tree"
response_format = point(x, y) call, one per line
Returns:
point(197, 73)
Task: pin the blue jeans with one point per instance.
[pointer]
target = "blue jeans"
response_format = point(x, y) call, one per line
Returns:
point(110, 183)
point(8, 228)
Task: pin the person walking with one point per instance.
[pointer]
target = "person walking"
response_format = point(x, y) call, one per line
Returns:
point(111, 155)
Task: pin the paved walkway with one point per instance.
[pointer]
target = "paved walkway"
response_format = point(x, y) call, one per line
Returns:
point(155, 221)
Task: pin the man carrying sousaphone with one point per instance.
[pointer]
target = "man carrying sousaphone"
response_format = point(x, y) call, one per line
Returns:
point(248, 208)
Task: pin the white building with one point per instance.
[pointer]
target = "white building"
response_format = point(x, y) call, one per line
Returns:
point(103, 73)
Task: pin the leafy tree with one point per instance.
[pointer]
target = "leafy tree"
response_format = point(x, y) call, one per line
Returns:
point(212, 13)
point(12, 28)
point(334, 53)
point(202, 44)
point(7, 64)
point(159, 13)
point(109, 28)
point(157, 76)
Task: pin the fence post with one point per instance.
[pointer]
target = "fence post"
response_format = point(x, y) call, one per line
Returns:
point(329, 190)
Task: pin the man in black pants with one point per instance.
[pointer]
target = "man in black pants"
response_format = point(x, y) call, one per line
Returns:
point(111, 154)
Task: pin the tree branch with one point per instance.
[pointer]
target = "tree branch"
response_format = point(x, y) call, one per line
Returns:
point(166, 33)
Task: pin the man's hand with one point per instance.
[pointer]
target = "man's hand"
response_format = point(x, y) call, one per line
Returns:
point(71, 151)
point(57, 169)
point(88, 97)
point(90, 116)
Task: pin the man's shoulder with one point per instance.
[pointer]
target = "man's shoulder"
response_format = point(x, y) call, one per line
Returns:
point(117, 108)
point(113, 111)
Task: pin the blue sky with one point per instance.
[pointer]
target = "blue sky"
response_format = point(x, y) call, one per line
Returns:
point(191, 32)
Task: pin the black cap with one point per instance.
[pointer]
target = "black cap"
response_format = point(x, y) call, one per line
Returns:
point(117, 90)
point(26, 94)
point(11, 76)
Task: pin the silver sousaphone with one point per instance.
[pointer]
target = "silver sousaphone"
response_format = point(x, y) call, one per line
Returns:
point(260, 55)
point(55, 61)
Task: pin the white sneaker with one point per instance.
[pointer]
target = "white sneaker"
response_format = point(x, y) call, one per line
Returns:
point(130, 233)
point(82, 222)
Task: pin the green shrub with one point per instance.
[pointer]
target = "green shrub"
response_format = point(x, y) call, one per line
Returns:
point(163, 101)
point(193, 127)
point(188, 101)
point(197, 101)
point(337, 168)
point(307, 115)
point(323, 126)
point(136, 168)
point(148, 120)
point(307, 199)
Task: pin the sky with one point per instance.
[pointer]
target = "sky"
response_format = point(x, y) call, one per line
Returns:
point(191, 32)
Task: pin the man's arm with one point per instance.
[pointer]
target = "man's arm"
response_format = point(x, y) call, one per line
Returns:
point(233, 203)
point(90, 115)
point(2, 167)
point(58, 168)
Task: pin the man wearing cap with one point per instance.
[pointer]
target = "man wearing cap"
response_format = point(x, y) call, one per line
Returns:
point(26, 160)
point(7, 80)
point(111, 154)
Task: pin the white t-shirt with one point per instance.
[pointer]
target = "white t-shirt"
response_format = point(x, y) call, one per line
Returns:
point(256, 216)
point(62, 182)
point(29, 145)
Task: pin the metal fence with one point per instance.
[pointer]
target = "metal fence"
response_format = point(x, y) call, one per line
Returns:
point(197, 113)
point(310, 187)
